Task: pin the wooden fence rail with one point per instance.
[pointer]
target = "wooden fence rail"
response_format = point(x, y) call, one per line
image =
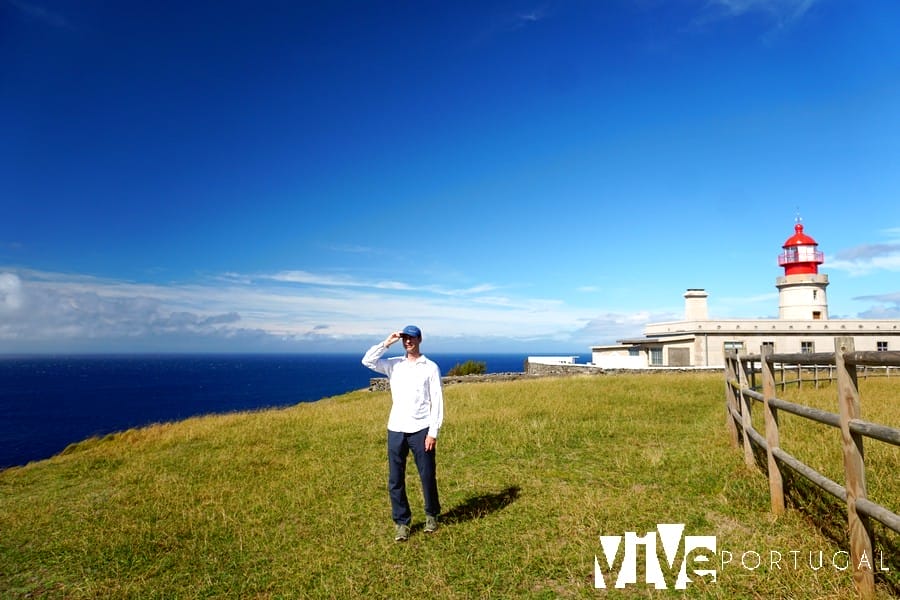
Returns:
point(821, 373)
point(842, 367)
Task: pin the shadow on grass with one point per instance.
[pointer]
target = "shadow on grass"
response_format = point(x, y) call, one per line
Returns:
point(481, 505)
point(829, 515)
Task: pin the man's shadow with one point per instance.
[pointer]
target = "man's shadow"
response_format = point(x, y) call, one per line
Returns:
point(481, 505)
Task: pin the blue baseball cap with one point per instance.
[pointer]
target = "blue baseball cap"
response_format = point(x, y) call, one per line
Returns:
point(412, 331)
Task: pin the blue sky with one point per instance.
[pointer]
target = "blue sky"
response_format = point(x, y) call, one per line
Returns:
point(510, 176)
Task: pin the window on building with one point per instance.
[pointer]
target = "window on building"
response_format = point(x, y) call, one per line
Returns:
point(817, 315)
point(768, 346)
point(634, 351)
point(656, 356)
point(815, 294)
point(679, 357)
point(737, 347)
point(807, 347)
point(881, 346)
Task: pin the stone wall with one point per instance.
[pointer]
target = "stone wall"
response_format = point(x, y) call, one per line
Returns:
point(533, 370)
point(380, 384)
point(561, 369)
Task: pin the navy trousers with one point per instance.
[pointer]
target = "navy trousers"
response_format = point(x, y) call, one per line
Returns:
point(399, 445)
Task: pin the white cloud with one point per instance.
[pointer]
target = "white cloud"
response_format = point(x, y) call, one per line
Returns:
point(346, 281)
point(782, 10)
point(887, 307)
point(609, 327)
point(290, 310)
point(869, 251)
point(867, 258)
point(305, 277)
point(10, 292)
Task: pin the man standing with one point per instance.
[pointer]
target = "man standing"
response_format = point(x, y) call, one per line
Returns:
point(416, 416)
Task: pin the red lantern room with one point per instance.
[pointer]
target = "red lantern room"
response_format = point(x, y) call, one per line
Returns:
point(800, 256)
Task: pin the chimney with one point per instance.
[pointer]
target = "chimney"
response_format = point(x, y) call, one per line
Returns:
point(695, 305)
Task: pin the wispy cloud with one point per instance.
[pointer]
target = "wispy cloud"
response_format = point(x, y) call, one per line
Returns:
point(606, 328)
point(288, 310)
point(868, 251)
point(744, 300)
point(781, 14)
point(781, 9)
point(867, 258)
point(887, 306)
point(307, 278)
point(523, 19)
point(346, 281)
point(354, 249)
point(509, 22)
point(39, 13)
point(762, 306)
point(892, 298)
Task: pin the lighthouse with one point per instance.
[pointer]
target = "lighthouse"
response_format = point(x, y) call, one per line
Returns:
point(801, 290)
point(803, 324)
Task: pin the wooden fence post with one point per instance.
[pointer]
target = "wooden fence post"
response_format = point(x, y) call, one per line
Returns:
point(746, 412)
point(776, 484)
point(854, 471)
point(783, 384)
point(752, 376)
point(730, 403)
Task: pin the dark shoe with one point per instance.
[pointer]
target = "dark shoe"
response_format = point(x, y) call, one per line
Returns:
point(430, 524)
point(401, 533)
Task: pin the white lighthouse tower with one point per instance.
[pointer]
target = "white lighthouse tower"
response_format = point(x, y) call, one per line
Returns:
point(801, 290)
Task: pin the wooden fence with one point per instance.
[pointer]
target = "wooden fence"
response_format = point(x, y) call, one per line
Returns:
point(739, 397)
point(799, 374)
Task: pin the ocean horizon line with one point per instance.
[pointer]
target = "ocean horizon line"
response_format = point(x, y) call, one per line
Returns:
point(48, 401)
point(177, 353)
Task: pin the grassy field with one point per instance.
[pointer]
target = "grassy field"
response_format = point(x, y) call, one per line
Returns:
point(292, 503)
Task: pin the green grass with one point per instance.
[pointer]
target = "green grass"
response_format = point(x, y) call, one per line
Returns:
point(292, 503)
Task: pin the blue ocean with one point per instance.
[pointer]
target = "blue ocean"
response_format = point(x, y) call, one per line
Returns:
point(49, 402)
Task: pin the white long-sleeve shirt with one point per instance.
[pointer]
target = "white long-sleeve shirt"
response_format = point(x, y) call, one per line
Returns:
point(418, 398)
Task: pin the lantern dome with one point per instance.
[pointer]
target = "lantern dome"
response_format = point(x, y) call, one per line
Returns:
point(799, 238)
point(800, 255)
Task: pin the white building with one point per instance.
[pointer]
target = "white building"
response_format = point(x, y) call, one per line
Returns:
point(802, 324)
point(552, 360)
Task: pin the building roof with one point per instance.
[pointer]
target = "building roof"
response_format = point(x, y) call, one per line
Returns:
point(633, 341)
point(799, 238)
